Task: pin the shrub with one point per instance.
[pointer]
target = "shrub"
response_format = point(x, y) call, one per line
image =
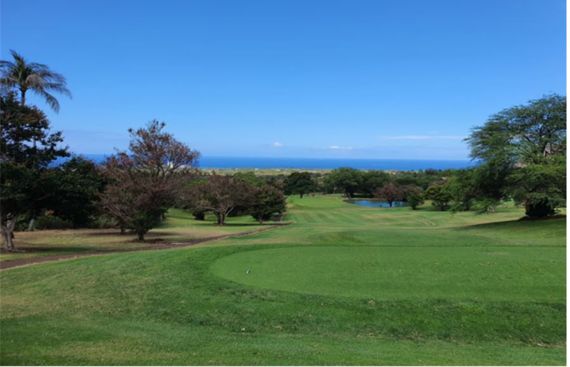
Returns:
point(413, 195)
point(439, 196)
point(49, 221)
point(267, 202)
point(199, 214)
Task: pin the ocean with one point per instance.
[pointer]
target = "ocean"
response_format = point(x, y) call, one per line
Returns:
point(331, 163)
point(319, 163)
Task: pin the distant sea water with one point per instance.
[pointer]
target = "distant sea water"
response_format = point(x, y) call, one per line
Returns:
point(331, 163)
point(319, 163)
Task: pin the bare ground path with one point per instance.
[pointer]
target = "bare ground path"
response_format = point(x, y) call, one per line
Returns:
point(8, 264)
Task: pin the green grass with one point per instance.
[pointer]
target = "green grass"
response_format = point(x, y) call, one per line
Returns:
point(342, 285)
point(403, 273)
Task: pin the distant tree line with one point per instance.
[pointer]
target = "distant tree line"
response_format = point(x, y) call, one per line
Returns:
point(522, 158)
point(521, 150)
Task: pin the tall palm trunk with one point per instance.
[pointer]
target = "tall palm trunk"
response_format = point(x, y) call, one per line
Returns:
point(23, 96)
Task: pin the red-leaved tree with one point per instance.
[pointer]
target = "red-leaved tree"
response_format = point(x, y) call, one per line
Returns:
point(144, 182)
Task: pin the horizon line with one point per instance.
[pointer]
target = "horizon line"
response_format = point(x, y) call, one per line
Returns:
point(308, 158)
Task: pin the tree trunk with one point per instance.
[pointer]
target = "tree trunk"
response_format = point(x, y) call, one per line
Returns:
point(8, 234)
point(140, 235)
point(7, 241)
point(221, 218)
point(32, 224)
point(23, 96)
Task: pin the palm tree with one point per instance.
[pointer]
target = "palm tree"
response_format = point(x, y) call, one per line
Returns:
point(38, 78)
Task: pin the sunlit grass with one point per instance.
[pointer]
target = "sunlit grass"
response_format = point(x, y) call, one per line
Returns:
point(341, 285)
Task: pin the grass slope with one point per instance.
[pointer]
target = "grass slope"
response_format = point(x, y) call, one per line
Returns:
point(343, 285)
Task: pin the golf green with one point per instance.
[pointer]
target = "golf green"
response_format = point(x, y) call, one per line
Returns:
point(390, 273)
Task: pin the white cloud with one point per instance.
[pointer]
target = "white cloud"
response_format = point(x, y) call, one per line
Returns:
point(338, 147)
point(423, 137)
point(277, 144)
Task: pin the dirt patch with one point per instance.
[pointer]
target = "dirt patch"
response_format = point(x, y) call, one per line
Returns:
point(151, 246)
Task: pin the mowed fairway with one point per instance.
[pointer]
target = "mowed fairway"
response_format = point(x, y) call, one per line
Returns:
point(341, 285)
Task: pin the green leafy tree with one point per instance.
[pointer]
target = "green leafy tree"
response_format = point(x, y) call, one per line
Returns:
point(523, 134)
point(541, 188)
point(413, 195)
point(346, 180)
point(439, 196)
point(462, 188)
point(513, 144)
point(277, 181)
point(77, 185)
point(372, 180)
point(253, 181)
point(421, 178)
point(300, 183)
point(490, 181)
point(249, 177)
point(24, 76)
point(26, 148)
point(266, 202)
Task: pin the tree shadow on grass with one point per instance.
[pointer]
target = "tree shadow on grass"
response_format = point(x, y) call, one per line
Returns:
point(516, 223)
point(23, 249)
point(264, 224)
point(238, 225)
point(128, 234)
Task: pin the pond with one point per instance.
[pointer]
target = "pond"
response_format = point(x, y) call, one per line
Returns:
point(376, 203)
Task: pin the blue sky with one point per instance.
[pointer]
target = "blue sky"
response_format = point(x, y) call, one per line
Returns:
point(295, 78)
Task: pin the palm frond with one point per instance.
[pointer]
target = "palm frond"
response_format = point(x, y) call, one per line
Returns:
point(50, 100)
point(59, 88)
point(33, 76)
point(17, 57)
point(6, 81)
point(36, 66)
point(6, 65)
